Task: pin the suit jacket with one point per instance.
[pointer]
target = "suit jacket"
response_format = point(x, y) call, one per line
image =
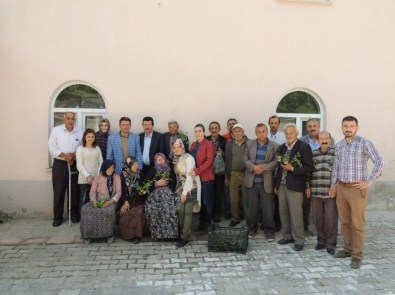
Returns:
point(166, 143)
point(155, 147)
point(114, 150)
point(296, 180)
point(269, 164)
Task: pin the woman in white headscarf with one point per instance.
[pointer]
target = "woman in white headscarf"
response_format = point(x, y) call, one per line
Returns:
point(187, 190)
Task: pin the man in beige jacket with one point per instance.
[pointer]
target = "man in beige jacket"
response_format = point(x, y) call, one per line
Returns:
point(260, 162)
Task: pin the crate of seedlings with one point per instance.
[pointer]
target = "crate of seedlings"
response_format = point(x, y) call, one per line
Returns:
point(227, 239)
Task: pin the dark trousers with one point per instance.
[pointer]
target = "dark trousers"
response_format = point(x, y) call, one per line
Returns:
point(306, 211)
point(276, 213)
point(219, 195)
point(60, 183)
point(207, 198)
point(84, 194)
point(146, 168)
point(256, 195)
point(226, 201)
point(325, 221)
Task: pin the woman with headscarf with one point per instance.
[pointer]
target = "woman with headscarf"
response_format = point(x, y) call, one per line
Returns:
point(132, 219)
point(102, 136)
point(105, 192)
point(160, 207)
point(187, 190)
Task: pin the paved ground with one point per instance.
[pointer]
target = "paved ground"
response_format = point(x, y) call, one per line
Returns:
point(38, 259)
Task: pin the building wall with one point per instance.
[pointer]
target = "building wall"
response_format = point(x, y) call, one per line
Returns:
point(194, 61)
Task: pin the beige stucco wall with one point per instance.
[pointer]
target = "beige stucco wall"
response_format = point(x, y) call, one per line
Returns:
point(194, 61)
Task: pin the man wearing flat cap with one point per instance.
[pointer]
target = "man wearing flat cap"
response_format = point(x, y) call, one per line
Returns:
point(234, 173)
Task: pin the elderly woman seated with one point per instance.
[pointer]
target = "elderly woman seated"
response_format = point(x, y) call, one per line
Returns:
point(98, 216)
point(132, 218)
point(160, 206)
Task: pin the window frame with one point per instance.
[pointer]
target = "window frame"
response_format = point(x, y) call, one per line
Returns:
point(80, 113)
point(303, 117)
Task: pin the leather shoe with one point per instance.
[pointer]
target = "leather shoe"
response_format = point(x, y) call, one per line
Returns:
point(56, 223)
point(75, 220)
point(298, 247)
point(285, 241)
point(330, 251)
point(356, 262)
point(319, 247)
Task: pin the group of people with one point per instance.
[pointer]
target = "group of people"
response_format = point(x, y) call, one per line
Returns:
point(158, 181)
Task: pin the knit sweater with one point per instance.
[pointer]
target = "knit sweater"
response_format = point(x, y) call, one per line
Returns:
point(89, 161)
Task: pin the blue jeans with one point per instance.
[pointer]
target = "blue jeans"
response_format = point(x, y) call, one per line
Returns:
point(206, 213)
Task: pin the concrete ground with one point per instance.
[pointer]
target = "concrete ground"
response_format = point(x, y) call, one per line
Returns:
point(36, 258)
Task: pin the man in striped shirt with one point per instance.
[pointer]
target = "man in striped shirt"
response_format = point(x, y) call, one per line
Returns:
point(350, 181)
point(324, 207)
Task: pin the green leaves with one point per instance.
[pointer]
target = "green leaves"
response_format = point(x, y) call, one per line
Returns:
point(162, 175)
point(296, 160)
point(144, 187)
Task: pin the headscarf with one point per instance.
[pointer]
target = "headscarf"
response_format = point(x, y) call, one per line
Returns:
point(103, 171)
point(130, 176)
point(104, 120)
point(179, 142)
point(162, 167)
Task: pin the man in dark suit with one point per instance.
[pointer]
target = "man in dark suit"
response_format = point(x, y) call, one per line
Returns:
point(296, 163)
point(151, 143)
point(170, 137)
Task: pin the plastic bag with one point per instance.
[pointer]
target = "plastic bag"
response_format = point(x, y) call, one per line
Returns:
point(219, 165)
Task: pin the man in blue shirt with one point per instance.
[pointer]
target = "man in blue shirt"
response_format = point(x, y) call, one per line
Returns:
point(123, 144)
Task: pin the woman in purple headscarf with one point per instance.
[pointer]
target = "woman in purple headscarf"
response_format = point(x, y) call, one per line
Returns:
point(160, 207)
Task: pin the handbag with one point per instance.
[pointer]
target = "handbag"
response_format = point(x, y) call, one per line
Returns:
point(219, 165)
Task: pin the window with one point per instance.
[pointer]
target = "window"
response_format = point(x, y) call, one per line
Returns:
point(297, 106)
point(83, 100)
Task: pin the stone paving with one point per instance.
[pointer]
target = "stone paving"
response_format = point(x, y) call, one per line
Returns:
point(37, 259)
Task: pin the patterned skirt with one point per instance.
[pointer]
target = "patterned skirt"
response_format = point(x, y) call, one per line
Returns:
point(132, 222)
point(160, 213)
point(97, 222)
